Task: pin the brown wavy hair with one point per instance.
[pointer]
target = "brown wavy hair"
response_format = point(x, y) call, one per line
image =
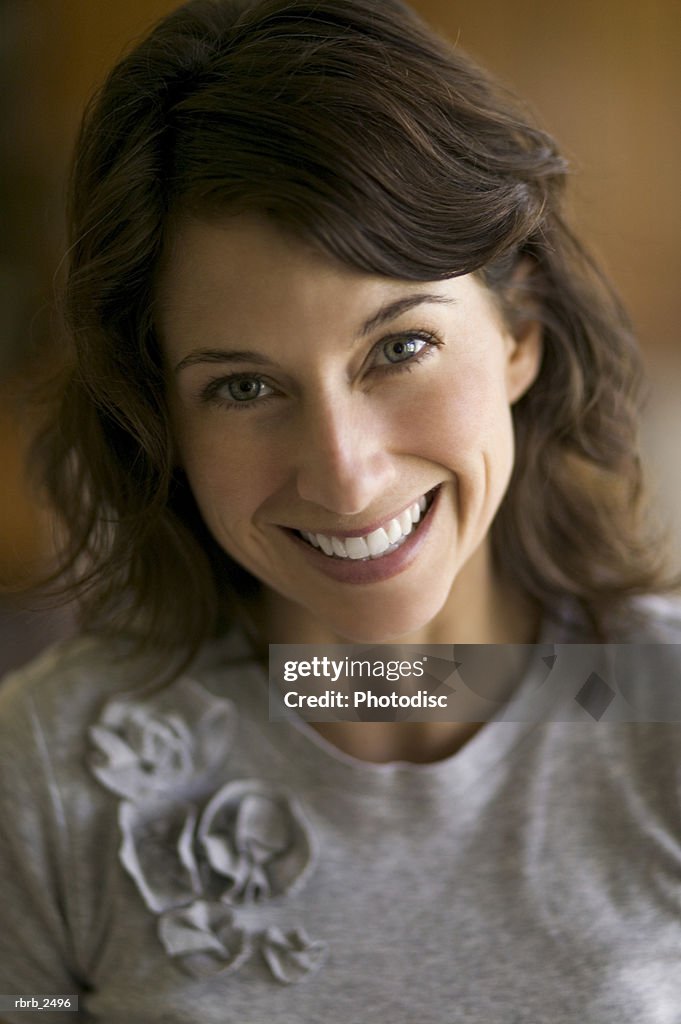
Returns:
point(357, 128)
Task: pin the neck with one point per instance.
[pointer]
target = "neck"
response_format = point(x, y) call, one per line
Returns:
point(480, 609)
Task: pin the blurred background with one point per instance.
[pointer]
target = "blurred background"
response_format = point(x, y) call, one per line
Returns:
point(604, 76)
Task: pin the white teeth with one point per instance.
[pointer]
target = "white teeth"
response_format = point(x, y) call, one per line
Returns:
point(357, 547)
point(394, 531)
point(325, 544)
point(339, 547)
point(377, 543)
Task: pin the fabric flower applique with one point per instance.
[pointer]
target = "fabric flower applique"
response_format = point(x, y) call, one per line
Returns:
point(291, 956)
point(203, 863)
point(255, 839)
point(158, 854)
point(205, 938)
point(173, 742)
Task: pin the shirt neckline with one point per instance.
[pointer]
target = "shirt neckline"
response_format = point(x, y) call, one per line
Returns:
point(296, 738)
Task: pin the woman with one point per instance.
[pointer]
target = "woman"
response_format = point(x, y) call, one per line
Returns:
point(340, 373)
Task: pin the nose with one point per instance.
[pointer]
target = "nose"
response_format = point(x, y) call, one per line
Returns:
point(343, 457)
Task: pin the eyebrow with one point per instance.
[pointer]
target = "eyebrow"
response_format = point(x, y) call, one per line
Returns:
point(384, 315)
point(396, 308)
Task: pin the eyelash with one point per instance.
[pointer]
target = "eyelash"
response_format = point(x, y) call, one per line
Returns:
point(212, 392)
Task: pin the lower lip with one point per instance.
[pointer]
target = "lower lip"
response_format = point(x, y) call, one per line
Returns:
point(373, 570)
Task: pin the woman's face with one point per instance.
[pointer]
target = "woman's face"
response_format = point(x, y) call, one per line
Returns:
point(347, 437)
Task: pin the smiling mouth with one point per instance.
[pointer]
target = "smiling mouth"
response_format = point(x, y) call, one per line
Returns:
point(378, 543)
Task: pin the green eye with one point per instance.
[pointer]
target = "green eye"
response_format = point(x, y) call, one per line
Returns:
point(239, 390)
point(246, 389)
point(398, 350)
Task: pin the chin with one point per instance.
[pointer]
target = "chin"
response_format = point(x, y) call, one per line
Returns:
point(384, 628)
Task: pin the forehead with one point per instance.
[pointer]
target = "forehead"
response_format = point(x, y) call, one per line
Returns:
point(248, 260)
point(245, 278)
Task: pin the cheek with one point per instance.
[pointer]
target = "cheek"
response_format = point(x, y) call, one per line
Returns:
point(230, 476)
point(464, 417)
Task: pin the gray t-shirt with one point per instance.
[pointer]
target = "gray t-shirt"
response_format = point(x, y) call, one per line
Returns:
point(178, 857)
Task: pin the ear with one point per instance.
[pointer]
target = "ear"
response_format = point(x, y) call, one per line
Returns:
point(524, 358)
point(525, 334)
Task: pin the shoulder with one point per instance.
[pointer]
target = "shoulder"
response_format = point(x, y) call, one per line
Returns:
point(46, 712)
point(67, 686)
point(620, 700)
point(656, 619)
point(649, 619)
point(643, 671)
point(80, 728)
point(71, 674)
point(645, 663)
point(47, 705)
point(57, 822)
point(58, 711)
point(88, 715)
